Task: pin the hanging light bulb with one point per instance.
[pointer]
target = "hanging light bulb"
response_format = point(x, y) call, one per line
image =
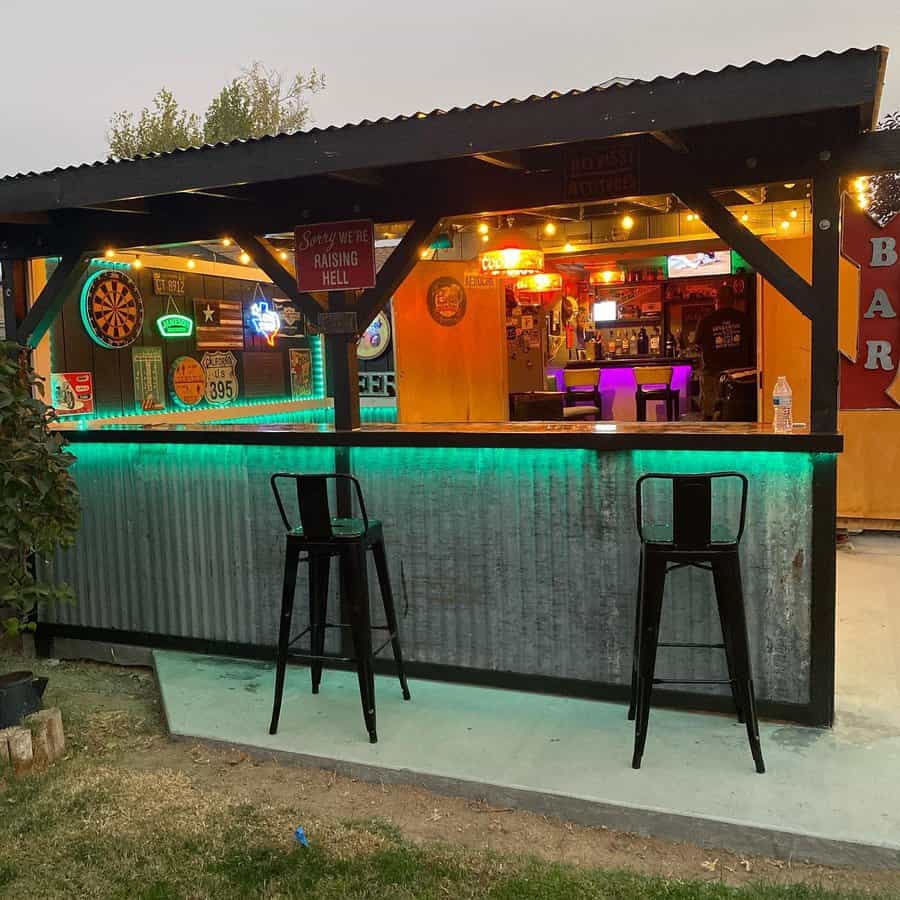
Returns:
point(137, 262)
point(110, 253)
point(423, 254)
point(745, 217)
point(483, 228)
point(191, 264)
point(785, 225)
point(794, 213)
point(627, 222)
point(568, 248)
point(226, 241)
point(485, 238)
point(245, 259)
point(283, 255)
point(691, 217)
point(550, 229)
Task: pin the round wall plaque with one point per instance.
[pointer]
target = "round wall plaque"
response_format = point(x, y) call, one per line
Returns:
point(446, 301)
point(187, 381)
point(376, 338)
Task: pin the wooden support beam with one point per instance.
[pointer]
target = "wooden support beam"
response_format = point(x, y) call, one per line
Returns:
point(281, 277)
point(14, 296)
point(398, 265)
point(826, 251)
point(342, 369)
point(687, 185)
point(870, 154)
point(62, 283)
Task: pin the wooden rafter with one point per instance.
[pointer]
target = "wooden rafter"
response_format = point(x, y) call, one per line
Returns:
point(61, 284)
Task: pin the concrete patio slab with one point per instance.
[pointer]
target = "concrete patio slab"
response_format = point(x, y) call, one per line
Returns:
point(829, 796)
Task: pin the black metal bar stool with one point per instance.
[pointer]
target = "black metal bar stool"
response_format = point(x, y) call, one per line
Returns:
point(321, 536)
point(655, 383)
point(691, 543)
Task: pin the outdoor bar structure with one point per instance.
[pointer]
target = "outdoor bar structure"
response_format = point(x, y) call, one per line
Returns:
point(511, 539)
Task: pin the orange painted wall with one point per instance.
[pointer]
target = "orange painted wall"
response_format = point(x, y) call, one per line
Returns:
point(450, 373)
point(866, 489)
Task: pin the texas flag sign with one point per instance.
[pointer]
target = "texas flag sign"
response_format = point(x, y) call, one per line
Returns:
point(870, 378)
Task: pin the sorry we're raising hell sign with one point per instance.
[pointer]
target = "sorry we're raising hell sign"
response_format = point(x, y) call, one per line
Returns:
point(335, 256)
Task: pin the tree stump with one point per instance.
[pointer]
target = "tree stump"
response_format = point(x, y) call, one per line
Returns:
point(34, 745)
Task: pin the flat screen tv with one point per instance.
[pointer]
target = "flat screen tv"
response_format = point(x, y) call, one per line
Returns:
point(686, 265)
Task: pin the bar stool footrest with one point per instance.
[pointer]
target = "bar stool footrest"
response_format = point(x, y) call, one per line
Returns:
point(691, 645)
point(691, 681)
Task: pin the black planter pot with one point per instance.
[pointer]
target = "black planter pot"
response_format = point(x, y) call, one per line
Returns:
point(20, 695)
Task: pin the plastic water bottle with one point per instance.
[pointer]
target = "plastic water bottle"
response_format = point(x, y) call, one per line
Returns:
point(783, 402)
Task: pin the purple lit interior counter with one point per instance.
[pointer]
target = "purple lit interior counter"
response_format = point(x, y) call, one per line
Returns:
point(618, 385)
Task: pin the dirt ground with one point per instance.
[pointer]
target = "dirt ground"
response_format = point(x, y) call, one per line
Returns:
point(113, 716)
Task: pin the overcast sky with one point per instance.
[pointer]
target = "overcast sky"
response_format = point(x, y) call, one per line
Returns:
point(66, 67)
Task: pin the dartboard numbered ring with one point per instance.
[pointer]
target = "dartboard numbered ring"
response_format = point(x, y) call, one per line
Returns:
point(112, 309)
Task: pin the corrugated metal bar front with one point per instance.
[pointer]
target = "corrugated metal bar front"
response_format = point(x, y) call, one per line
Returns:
point(514, 560)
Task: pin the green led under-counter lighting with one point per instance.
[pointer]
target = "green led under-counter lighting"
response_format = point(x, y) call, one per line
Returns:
point(175, 325)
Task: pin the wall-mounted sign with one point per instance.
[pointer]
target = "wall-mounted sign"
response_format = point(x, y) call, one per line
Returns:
point(376, 338)
point(604, 171)
point(112, 309)
point(266, 322)
point(870, 372)
point(378, 384)
point(446, 301)
point(220, 324)
point(187, 381)
point(301, 373)
point(175, 325)
point(149, 378)
point(72, 393)
point(263, 374)
point(335, 256)
point(168, 284)
point(291, 318)
point(221, 377)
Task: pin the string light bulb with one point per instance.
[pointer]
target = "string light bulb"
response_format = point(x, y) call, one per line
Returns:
point(423, 254)
point(191, 264)
point(137, 264)
point(245, 258)
point(627, 222)
point(484, 239)
point(691, 217)
point(794, 213)
point(790, 185)
point(110, 253)
point(550, 229)
point(568, 248)
point(483, 228)
point(745, 217)
point(785, 225)
point(226, 241)
point(283, 255)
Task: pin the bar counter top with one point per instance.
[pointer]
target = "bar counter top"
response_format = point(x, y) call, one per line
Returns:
point(726, 436)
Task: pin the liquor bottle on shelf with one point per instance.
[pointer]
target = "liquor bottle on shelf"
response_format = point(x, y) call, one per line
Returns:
point(654, 342)
point(670, 346)
point(643, 344)
point(599, 348)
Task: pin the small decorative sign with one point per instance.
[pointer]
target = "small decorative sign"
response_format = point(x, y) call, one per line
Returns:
point(604, 171)
point(266, 322)
point(263, 374)
point(187, 381)
point(376, 338)
point(149, 378)
point(72, 393)
point(291, 318)
point(301, 373)
point(220, 324)
point(221, 377)
point(112, 309)
point(337, 323)
point(175, 325)
point(168, 284)
point(446, 301)
point(335, 256)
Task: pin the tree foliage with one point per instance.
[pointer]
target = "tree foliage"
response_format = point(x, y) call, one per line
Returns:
point(259, 102)
point(39, 500)
point(885, 202)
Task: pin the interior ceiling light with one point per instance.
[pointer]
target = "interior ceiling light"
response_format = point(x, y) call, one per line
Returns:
point(540, 283)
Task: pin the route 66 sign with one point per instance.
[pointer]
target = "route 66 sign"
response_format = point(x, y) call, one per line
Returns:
point(221, 376)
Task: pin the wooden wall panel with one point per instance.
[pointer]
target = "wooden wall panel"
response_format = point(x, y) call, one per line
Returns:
point(450, 373)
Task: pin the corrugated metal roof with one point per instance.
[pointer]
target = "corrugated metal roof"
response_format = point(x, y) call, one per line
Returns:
point(612, 84)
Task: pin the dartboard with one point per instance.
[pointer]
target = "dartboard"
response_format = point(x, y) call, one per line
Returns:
point(112, 309)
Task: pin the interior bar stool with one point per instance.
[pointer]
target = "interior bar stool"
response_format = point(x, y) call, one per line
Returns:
point(655, 383)
point(582, 394)
point(690, 543)
point(320, 536)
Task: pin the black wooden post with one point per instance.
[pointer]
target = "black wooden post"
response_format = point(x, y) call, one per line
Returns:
point(826, 217)
point(14, 302)
point(342, 368)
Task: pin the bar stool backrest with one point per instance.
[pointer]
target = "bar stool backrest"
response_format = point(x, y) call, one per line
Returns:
point(653, 375)
point(691, 508)
point(313, 502)
point(586, 378)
